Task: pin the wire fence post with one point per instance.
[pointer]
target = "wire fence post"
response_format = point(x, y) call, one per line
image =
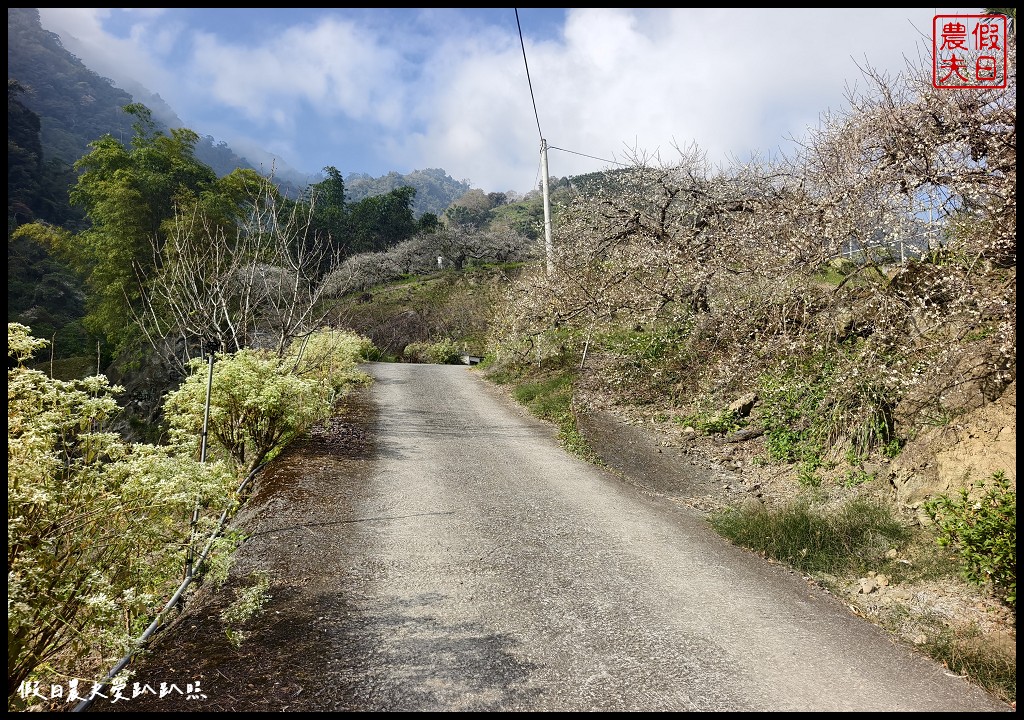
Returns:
point(211, 347)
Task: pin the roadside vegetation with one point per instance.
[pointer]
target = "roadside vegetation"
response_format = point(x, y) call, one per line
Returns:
point(550, 396)
point(99, 528)
point(871, 539)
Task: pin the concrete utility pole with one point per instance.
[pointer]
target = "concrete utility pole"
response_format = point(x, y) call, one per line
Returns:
point(547, 205)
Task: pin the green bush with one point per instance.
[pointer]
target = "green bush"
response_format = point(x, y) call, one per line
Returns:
point(257, 406)
point(791, 414)
point(329, 357)
point(983, 533)
point(442, 352)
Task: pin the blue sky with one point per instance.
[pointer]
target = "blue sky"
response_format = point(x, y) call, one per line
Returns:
point(375, 90)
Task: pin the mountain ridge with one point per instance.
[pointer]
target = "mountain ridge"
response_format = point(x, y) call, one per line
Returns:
point(77, 105)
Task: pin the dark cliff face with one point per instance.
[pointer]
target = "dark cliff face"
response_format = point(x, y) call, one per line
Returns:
point(74, 104)
point(77, 106)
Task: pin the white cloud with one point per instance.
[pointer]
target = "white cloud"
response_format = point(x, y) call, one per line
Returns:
point(333, 67)
point(136, 57)
point(372, 91)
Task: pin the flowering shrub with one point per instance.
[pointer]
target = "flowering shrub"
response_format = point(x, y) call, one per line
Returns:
point(330, 357)
point(259, 402)
point(257, 406)
point(96, 527)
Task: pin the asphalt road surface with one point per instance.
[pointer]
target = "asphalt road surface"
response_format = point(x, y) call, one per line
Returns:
point(454, 558)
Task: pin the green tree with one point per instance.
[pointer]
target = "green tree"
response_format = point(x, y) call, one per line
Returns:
point(382, 221)
point(328, 200)
point(228, 202)
point(128, 194)
point(473, 209)
point(328, 223)
point(429, 223)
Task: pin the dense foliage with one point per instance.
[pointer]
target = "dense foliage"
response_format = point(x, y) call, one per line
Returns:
point(259, 401)
point(37, 186)
point(98, 528)
point(189, 258)
point(135, 171)
point(435, 189)
point(128, 193)
point(41, 289)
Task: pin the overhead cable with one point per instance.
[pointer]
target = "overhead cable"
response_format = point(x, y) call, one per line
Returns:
point(532, 98)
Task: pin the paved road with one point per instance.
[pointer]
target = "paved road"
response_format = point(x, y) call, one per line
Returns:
point(465, 562)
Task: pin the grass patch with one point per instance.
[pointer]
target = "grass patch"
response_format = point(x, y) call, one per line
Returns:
point(714, 423)
point(962, 650)
point(860, 536)
point(550, 398)
point(965, 653)
point(853, 538)
point(814, 406)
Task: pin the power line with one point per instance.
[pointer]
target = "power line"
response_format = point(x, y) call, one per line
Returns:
point(548, 245)
point(533, 99)
point(592, 157)
point(528, 82)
